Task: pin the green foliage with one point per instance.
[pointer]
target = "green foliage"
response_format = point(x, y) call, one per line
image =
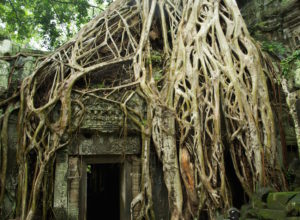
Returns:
point(156, 57)
point(158, 75)
point(286, 63)
point(88, 169)
point(274, 47)
point(53, 21)
point(101, 85)
point(290, 176)
point(285, 2)
point(144, 122)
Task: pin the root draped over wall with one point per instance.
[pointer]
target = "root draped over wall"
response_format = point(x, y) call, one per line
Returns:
point(212, 72)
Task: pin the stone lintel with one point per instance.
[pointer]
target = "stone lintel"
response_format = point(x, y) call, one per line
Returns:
point(105, 145)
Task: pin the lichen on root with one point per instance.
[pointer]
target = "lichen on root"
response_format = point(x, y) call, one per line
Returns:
point(213, 97)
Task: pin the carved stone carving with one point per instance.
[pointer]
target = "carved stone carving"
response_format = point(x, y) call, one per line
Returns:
point(108, 117)
point(105, 145)
point(102, 116)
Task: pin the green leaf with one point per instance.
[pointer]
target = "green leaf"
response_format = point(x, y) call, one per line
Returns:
point(50, 20)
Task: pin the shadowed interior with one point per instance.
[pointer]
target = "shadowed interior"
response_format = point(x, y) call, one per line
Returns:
point(103, 191)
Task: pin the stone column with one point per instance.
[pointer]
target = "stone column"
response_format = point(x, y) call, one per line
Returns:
point(60, 203)
point(74, 183)
point(135, 187)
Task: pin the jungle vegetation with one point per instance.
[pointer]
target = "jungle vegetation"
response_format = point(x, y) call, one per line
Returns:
point(50, 21)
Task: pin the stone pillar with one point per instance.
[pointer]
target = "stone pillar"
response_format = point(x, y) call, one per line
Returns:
point(73, 193)
point(125, 189)
point(135, 176)
point(60, 203)
point(9, 201)
point(4, 74)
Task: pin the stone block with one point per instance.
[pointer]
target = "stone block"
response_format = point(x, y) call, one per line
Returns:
point(8, 48)
point(73, 189)
point(5, 47)
point(24, 66)
point(293, 205)
point(108, 117)
point(105, 145)
point(271, 214)
point(4, 74)
point(279, 200)
point(28, 68)
point(103, 116)
point(297, 78)
point(60, 203)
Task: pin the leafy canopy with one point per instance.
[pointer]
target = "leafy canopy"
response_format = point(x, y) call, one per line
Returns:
point(49, 21)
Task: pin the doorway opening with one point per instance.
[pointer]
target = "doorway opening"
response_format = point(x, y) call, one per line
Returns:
point(103, 191)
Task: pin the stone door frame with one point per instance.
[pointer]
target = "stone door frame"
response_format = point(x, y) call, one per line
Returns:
point(125, 182)
point(71, 177)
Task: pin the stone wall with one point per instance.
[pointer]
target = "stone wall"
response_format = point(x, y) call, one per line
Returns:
point(99, 139)
point(15, 64)
point(13, 69)
point(274, 20)
point(276, 23)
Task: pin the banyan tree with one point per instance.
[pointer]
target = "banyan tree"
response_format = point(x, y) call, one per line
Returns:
point(206, 87)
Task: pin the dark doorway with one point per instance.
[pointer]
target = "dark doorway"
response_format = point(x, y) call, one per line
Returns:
point(103, 191)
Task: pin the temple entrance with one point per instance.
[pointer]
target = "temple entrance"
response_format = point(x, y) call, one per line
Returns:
point(103, 191)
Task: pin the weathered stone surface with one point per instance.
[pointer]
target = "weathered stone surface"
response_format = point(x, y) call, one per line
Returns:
point(287, 123)
point(297, 78)
point(102, 116)
point(108, 117)
point(273, 20)
point(294, 174)
point(135, 187)
point(60, 203)
point(159, 189)
point(24, 66)
point(279, 200)
point(4, 74)
point(8, 48)
point(273, 205)
point(73, 190)
point(9, 204)
point(105, 144)
point(293, 204)
point(126, 182)
point(270, 214)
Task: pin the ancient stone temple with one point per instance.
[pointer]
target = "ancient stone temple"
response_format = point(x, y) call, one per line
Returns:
point(98, 151)
point(101, 168)
point(98, 172)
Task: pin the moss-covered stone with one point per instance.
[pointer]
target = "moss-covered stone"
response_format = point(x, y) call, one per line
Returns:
point(23, 67)
point(279, 200)
point(273, 20)
point(293, 204)
point(271, 214)
point(297, 78)
point(4, 74)
point(273, 205)
point(8, 48)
